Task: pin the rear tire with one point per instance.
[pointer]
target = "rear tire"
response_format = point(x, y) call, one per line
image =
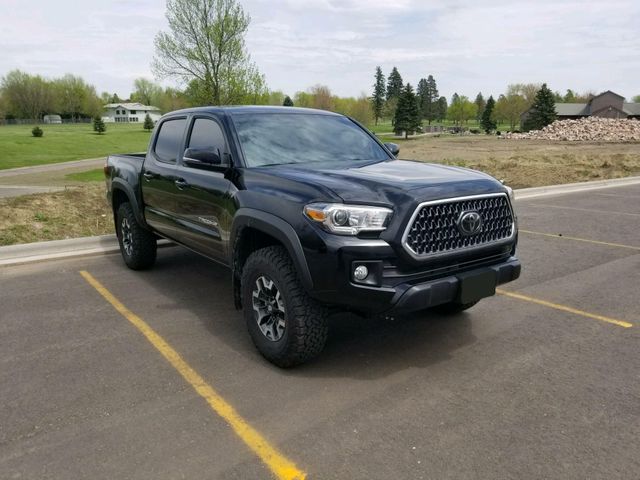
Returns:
point(453, 307)
point(137, 244)
point(286, 325)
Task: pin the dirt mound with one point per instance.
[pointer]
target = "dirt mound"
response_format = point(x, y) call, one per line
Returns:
point(591, 129)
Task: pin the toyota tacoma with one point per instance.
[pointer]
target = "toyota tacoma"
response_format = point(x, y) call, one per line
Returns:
point(312, 214)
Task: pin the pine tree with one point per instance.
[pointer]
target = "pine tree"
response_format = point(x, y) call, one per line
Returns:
point(394, 84)
point(378, 97)
point(287, 102)
point(543, 110)
point(441, 109)
point(423, 97)
point(407, 118)
point(432, 99)
point(488, 122)
point(98, 125)
point(481, 104)
point(148, 123)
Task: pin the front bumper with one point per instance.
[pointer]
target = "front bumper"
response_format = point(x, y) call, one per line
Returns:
point(448, 289)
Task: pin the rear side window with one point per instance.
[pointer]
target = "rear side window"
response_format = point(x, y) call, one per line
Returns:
point(169, 140)
point(206, 133)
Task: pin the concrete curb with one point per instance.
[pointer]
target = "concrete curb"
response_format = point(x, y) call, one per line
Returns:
point(524, 193)
point(106, 244)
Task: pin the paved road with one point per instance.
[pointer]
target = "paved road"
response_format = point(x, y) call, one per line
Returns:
point(43, 178)
point(510, 389)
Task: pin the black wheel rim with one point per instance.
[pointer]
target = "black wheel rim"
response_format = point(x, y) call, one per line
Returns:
point(127, 236)
point(268, 308)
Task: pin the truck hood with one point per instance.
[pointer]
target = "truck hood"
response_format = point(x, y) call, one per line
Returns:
point(391, 182)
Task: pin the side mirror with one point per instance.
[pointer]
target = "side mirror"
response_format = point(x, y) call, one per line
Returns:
point(202, 157)
point(393, 148)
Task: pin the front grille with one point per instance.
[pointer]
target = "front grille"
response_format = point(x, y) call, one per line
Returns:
point(433, 229)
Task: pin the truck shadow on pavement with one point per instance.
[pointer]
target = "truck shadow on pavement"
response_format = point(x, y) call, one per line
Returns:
point(363, 348)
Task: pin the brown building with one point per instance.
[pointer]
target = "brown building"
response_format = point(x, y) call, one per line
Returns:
point(606, 105)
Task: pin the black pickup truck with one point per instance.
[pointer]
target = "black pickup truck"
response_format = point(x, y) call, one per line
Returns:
point(312, 214)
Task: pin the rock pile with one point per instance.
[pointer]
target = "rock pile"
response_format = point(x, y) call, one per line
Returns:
point(590, 129)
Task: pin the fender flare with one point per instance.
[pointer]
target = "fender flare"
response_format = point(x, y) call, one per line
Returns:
point(278, 229)
point(120, 184)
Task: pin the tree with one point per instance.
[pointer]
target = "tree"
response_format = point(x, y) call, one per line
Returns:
point(461, 109)
point(205, 44)
point(322, 98)
point(394, 84)
point(378, 97)
point(441, 109)
point(423, 97)
point(27, 96)
point(407, 118)
point(146, 92)
point(543, 110)
point(148, 123)
point(488, 122)
point(431, 107)
point(511, 106)
point(74, 98)
point(636, 99)
point(480, 104)
point(98, 125)
point(287, 101)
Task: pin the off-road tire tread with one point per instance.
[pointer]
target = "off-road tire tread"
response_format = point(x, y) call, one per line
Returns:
point(144, 242)
point(306, 317)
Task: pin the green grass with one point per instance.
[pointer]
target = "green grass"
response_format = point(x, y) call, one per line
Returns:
point(61, 143)
point(96, 175)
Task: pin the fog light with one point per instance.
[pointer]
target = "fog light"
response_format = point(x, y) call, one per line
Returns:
point(360, 273)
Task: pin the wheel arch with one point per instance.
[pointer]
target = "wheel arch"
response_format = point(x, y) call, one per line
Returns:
point(254, 229)
point(122, 192)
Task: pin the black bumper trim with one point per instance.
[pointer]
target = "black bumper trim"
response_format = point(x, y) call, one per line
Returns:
point(445, 290)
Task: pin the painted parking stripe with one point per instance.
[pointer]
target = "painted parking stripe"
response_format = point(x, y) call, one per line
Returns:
point(577, 239)
point(282, 467)
point(564, 308)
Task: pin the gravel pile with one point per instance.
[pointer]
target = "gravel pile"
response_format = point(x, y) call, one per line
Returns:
point(590, 129)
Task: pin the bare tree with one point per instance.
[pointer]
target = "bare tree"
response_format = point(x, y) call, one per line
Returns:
point(205, 43)
point(145, 91)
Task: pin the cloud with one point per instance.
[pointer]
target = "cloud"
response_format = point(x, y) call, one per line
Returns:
point(469, 46)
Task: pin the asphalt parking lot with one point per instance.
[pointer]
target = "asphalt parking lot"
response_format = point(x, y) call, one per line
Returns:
point(542, 385)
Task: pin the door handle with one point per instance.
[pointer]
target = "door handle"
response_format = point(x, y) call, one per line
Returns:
point(148, 175)
point(181, 183)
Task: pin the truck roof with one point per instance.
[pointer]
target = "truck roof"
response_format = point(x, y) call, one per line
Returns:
point(254, 109)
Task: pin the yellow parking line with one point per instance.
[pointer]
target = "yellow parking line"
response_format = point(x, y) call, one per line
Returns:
point(564, 308)
point(283, 468)
point(565, 237)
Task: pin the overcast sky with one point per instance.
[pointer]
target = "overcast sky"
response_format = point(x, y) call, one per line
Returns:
point(468, 46)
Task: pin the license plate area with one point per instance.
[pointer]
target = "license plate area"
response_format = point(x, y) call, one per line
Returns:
point(476, 285)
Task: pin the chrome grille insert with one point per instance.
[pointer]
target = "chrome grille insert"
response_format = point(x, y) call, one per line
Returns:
point(434, 228)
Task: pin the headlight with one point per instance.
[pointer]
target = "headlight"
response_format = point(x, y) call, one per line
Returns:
point(348, 219)
point(512, 195)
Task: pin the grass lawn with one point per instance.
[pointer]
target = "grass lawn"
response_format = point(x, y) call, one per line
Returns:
point(96, 175)
point(60, 143)
point(384, 126)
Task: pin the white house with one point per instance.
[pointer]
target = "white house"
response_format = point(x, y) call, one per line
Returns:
point(129, 112)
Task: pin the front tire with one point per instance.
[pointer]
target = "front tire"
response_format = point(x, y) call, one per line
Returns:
point(286, 325)
point(137, 244)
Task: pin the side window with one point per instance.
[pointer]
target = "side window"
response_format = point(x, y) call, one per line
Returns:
point(207, 134)
point(169, 141)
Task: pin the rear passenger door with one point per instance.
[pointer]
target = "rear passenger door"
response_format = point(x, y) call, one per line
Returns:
point(159, 176)
point(204, 203)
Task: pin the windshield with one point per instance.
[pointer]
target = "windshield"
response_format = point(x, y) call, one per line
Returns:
point(285, 138)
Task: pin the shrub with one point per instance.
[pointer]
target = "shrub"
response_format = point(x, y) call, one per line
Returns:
point(37, 132)
point(148, 123)
point(98, 125)
point(475, 131)
point(498, 132)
